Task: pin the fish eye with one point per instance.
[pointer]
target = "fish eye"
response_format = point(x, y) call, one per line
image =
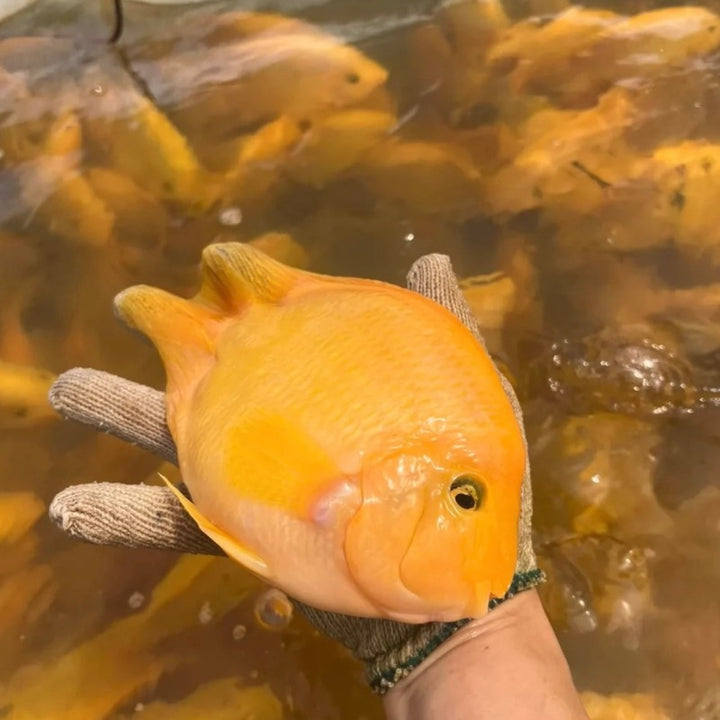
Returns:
point(468, 492)
point(353, 78)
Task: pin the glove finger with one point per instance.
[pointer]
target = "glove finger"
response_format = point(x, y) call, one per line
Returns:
point(135, 516)
point(433, 277)
point(127, 410)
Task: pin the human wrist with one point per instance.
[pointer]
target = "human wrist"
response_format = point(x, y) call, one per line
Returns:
point(405, 647)
point(475, 674)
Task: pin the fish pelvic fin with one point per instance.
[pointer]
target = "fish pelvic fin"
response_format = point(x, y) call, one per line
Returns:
point(232, 547)
point(234, 274)
point(181, 330)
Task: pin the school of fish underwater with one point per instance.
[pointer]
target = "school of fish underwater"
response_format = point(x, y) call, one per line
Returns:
point(563, 155)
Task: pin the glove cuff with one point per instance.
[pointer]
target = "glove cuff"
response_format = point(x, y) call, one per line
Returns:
point(385, 671)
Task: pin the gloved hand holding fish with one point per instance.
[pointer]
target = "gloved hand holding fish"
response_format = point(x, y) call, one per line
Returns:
point(348, 441)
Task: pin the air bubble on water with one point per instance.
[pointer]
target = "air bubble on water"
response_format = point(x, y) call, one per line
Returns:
point(583, 622)
point(273, 610)
point(239, 632)
point(631, 563)
point(230, 216)
point(581, 617)
point(409, 237)
point(626, 614)
point(136, 600)
point(139, 707)
point(98, 90)
point(206, 614)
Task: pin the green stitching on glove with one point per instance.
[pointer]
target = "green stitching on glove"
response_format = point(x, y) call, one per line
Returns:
point(382, 681)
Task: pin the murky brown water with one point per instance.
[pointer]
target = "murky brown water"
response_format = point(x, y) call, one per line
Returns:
point(578, 157)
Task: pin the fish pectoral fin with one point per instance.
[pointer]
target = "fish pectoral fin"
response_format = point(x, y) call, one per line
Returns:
point(237, 273)
point(230, 545)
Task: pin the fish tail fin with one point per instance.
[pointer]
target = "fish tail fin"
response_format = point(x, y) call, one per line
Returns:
point(234, 274)
point(180, 329)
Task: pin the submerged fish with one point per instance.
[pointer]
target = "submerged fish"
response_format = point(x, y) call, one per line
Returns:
point(347, 440)
point(241, 70)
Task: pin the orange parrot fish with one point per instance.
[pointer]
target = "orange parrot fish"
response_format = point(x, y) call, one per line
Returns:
point(346, 440)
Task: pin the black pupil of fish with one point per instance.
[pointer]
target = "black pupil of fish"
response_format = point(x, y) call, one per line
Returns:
point(467, 493)
point(465, 501)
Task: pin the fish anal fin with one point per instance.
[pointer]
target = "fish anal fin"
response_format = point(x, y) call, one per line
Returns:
point(230, 545)
point(234, 274)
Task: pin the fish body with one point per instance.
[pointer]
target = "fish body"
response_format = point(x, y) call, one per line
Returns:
point(251, 69)
point(23, 396)
point(347, 440)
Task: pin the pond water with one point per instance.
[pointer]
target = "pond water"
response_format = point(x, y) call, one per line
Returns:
point(565, 157)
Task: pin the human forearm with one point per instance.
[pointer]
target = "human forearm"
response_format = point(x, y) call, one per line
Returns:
point(506, 665)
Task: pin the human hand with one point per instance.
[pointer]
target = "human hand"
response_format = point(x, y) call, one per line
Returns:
point(142, 516)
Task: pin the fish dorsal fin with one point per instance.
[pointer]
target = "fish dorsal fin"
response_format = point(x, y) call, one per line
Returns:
point(230, 545)
point(234, 274)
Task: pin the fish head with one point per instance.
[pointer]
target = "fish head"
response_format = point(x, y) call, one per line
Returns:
point(355, 76)
point(436, 535)
point(330, 75)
